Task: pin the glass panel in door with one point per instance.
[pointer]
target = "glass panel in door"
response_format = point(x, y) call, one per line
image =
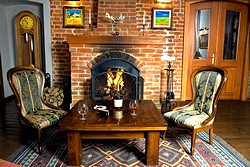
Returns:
point(202, 26)
point(231, 35)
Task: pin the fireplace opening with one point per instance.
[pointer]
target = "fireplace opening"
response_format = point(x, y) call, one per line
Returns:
point(116, 74)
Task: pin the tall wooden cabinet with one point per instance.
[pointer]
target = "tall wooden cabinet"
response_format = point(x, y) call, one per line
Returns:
point(215, 35)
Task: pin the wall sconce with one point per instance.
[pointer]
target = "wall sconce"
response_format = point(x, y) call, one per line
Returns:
point(164, 1)
point(73, 2)
point(168, 1)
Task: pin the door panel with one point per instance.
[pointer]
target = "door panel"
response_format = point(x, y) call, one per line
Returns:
point(216, 37)
point(229, 89)
point(201, 41)
point(230, 55)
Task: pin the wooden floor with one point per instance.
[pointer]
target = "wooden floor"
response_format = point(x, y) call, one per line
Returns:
point(232, 124)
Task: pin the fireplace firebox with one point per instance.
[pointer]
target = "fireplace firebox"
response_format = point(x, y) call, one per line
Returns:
point(116, 71)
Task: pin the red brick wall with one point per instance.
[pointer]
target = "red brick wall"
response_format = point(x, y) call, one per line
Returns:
point(146, 55)
point(155, 79)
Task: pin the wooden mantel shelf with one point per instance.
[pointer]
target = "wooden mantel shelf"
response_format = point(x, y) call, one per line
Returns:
point(115, 40)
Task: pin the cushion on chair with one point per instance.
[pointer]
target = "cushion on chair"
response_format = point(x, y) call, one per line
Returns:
point(189, 118)
point(44, 117)
point(206, 85)
point(28, 84)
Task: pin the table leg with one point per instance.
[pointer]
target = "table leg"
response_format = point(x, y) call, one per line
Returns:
point(152, 148)
point(74, 148)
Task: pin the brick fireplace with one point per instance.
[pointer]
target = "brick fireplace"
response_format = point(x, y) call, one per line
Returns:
point(71, 55)
point(115, 72)
point(145, 52)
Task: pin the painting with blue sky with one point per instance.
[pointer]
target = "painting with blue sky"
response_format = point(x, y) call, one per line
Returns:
point(161, 18)
point(73, 16)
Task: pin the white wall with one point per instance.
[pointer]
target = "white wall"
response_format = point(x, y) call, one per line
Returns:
point(45, 18)
point(7, 34)
point(6, 52)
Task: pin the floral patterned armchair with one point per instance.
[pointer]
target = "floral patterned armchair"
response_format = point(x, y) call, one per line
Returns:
point(199, 114)
point(27, 83)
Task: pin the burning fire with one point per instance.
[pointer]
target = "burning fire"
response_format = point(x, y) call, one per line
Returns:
point(115, 82)
point(115, 85)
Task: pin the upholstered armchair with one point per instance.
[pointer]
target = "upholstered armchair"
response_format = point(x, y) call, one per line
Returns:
point(199, 114)
point(27, 83)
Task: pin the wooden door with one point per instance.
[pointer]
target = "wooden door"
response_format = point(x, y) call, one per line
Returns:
point(231, 47)
point(207, 43)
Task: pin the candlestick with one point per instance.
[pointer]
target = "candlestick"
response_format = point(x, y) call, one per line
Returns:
point(89, 16)
point(143, 19)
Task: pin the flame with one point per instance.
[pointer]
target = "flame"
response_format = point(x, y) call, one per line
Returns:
point(116, 82)
point(110, 77)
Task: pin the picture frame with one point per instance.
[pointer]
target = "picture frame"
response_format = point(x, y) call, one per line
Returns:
point(161, 18)
point(203, 41)
point(73, 17)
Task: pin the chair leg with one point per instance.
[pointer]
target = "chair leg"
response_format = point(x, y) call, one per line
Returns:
point(164, 135)
point(40, 149)
point(211, 135)
point(193, 137)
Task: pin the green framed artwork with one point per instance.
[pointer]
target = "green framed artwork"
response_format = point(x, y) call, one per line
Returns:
point(161, 18)
point(73, 17)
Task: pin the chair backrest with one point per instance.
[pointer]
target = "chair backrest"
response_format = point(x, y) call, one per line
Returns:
point(27, 84)
point(207, 85)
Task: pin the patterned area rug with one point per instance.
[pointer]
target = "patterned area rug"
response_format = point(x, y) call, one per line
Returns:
point(119, 153)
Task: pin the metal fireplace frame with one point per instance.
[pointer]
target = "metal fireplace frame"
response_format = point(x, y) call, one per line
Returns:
point(130, 70)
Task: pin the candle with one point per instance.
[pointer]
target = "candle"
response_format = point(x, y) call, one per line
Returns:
point(143, 19)
point(89, 16)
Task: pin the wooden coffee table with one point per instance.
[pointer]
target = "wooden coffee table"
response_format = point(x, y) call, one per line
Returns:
point(147, 124)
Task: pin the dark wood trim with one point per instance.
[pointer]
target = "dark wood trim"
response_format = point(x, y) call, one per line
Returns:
point(115, 40)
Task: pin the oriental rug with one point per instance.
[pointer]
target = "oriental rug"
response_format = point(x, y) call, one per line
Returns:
point(120, 153)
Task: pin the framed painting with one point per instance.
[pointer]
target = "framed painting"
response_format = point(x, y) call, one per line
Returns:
point(73, 17)
point(161, 18)
point(203, 41)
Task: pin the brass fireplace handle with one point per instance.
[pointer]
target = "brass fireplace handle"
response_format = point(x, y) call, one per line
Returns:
point(212, 58)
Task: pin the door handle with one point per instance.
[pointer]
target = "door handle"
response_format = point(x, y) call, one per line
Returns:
point(212, 58)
